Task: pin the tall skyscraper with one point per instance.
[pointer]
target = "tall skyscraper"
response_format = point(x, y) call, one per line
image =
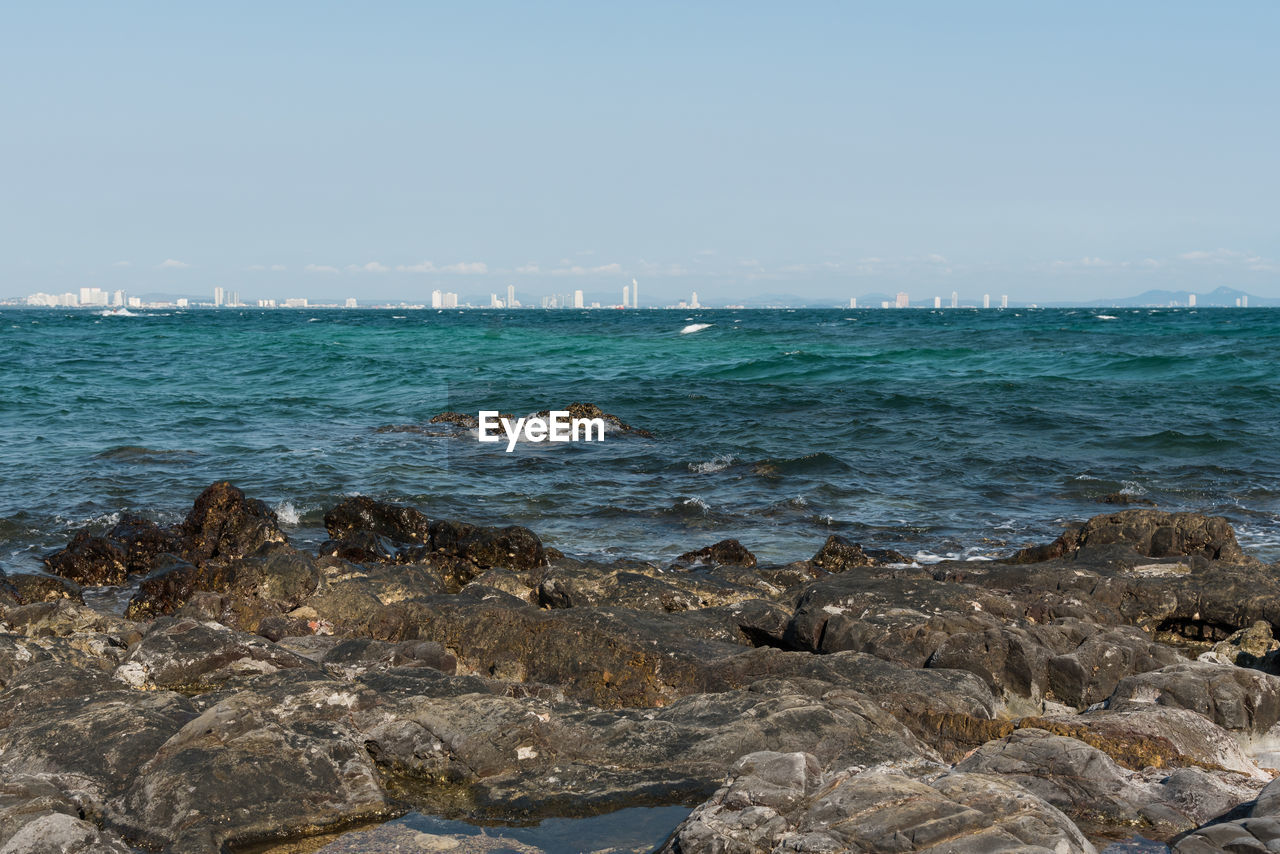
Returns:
point(635, 294)
point(437, 299)
point(693, 301)
point(853, 302)
point(937, 302)
point(986, 300)
point(1004, 300)
point(511, 296)
point(217, 296)
point(955, 299)
point(577, 299)
point(1191, 300)
point(902, 300)
point(626, 296)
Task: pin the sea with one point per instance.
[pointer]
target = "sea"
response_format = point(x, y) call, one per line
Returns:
point(958, 433)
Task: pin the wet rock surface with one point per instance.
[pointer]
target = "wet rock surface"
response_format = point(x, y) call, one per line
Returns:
point(1115, 681)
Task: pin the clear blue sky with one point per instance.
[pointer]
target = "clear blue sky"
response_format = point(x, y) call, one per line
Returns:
point(1065, 150)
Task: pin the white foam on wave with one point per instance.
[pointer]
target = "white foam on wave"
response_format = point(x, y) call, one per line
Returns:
point(117, 312)
point(288, 514)
point(694, 327)
point(695, 501)
point(1132, 487)
point(1106, 317)
point(719, 462)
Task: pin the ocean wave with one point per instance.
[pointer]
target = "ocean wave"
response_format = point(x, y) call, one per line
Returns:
point(288, 514)
point(816, 463)
point(695, 327)
point(720, 462)
point(139, 454)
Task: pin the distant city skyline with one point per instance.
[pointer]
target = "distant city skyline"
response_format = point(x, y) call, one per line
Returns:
point(746, 151)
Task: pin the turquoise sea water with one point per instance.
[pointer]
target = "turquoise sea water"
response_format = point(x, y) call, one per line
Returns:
point(934, 432)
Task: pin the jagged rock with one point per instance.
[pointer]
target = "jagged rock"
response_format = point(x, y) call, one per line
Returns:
point(1235, 698)
point(275, 579)
point(145, 544)
point(1090, 672)
point(1153, 533)
point(590, 410)
point(782, 803)
point(49, 825)
point(641, 588)
point(725, 552)
point(839, 554)
point(310, 771)
point(363, 530)
point(191, 657)
point(535, 759)
point(1250, 647)
point(89, 560)
point(1251, 827)
point(82, 730)
point(224, 524)
point(380, 518)
point(357, 656)
point(1086, 784)
point(462, 419)
point(44, 588)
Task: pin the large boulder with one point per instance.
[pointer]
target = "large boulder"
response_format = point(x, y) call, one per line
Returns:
point(1237, 699)
point(223, 523)
point(1153, 533)
point(784, 802)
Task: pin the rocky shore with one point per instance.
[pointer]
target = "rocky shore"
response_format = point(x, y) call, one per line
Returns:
point(1119, 681)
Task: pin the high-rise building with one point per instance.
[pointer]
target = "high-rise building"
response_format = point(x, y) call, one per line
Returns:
point(494, 302)
point(1004, 300)
point(437, 298)
point(626, 296)
point(351, 302)
point(217, 296)
point(853, 302)
point(955, 299)
point(449, 300)
point(1191, 300)
point(511, 296)
point(635, 294)
point(577, 299)
point(94, 296)
point(986, 300)
point(117, 298)
point(902, 300)
point(937, 302)
point(1244, 301)
point(693, 300)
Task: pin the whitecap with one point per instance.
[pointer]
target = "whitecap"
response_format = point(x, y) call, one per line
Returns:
point(720, 462)
point(694, 327)
point(1106, 317)
point(287, 513)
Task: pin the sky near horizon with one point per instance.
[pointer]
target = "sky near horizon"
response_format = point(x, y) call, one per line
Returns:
point(1050, 151)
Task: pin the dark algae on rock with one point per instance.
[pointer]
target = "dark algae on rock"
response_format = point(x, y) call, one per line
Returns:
point(255, 694)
